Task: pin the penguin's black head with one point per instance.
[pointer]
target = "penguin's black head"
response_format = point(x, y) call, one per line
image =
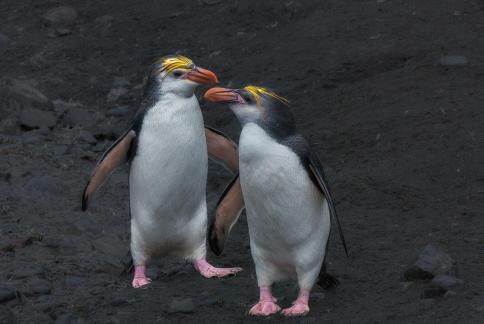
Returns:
point(258, 105)
point(178, 74)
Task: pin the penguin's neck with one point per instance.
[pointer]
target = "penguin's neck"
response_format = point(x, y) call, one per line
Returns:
point(174, 109)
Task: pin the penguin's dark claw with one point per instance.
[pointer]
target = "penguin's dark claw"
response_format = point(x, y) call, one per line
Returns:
point(327, 281)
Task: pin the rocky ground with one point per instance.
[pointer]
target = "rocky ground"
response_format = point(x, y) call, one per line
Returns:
point(389, 92)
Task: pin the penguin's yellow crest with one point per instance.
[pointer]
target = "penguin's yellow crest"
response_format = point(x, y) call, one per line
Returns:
point(178, 62)
point(257, 92)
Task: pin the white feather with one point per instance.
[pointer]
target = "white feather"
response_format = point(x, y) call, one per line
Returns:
point(168, 180)
point(288, 217)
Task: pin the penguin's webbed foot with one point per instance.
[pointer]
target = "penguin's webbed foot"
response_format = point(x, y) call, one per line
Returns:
point(264, 308)
point(140, 282)
point(297, 309)
point(140, 278)
point(209, 271)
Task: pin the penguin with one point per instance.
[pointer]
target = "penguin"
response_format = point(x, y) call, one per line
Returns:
point(288, 201)
point(166, 147)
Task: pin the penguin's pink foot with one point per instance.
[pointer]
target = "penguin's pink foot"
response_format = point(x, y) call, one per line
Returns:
point(139, 282)
point(140, 278)
point(296, 310)
point(209, 271)
point(266, 305)
point(264, 308)
point(300, 307)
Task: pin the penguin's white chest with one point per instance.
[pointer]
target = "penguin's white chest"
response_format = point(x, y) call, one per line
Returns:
point(168, 174)
point(284, 208)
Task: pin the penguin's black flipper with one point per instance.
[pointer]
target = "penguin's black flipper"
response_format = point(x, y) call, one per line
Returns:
point(222, 149)
point(229, 207)
point(316, 170)
point(117, 154)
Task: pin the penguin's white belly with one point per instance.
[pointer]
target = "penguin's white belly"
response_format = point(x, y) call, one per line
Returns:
point(287, 216)
point(167, 181)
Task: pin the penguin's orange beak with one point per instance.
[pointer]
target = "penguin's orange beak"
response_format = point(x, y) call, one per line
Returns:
point(201, 76)
point(223, 95)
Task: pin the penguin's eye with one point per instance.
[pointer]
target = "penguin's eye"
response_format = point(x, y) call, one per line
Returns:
point(177, 74)
point(247, 98)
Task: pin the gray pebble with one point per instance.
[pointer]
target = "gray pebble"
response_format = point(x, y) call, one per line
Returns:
point(4, 43)
point(182, 305)
point(9, 125)
point(453, 60)
point(31, 138)
point(23, 94)
point(435, 261)
point(103, 24)
point(78, 117)
point(210, 2)
point(119, 82)
point(118, 111)
point(62, 106)
point(116, 93)
point(71, 280)
point(87, 137)
point(60, 150)
point(37, 287)
point(63, 15)
point(31, 271)
point(34, 118)
point(45, 185)
point(100, 147)
point(445, 281)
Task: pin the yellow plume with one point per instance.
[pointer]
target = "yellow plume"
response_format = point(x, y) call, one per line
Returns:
point(257, 92)
point(172, 63)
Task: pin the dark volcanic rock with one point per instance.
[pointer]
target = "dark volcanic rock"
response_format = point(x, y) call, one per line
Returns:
point(78, 117)
point(182, 305)
point(34, 118)
point(28, 272)
point(63, 15)
point(111, 245)
point(112, 252)
point(21, 94)
point(37, 287)
point(4, 42)
point(45, 185)
point(433, 292)
point(7, 294)
point(210, 2)
point(7, 316)
point(9, 125)
point(415, 273)
point(103, 24)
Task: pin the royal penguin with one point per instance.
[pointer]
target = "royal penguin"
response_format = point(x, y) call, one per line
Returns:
point(287, 198)
point(166, 148)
